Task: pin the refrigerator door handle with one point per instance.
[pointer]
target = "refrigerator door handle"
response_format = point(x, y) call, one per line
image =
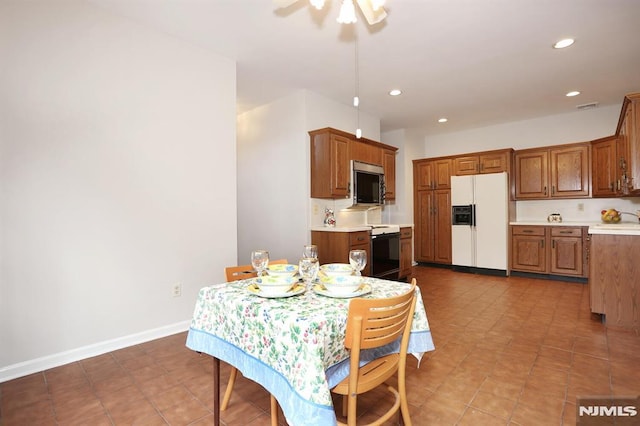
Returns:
point(473, 215)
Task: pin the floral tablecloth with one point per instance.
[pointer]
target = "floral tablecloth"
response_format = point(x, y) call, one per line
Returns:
point(292, 346)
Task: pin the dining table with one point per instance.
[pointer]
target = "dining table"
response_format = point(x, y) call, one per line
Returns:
point(293, 345)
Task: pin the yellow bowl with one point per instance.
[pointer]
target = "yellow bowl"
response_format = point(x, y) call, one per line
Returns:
point(344, 284)
point(287, 270)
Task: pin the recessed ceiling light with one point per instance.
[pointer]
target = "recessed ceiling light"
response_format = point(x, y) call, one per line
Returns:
point(442, 120)
point(574, 93)
point(395, 92)
point(563, 43)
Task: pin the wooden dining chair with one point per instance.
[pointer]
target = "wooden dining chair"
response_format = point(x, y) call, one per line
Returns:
point(236, 273)
point(373, 323)
point(241, 272)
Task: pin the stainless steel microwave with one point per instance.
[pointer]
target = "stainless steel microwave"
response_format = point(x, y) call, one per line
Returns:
point(367, 184)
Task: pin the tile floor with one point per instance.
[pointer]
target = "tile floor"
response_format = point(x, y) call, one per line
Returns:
point(509, 351)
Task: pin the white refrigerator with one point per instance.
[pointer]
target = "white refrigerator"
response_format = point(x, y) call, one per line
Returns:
point(483, 243)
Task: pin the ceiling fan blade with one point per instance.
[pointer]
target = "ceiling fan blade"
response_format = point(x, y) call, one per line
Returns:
point(281, 4)
point(372, 16)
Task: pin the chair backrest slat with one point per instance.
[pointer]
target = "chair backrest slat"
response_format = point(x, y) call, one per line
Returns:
point(242, 272)
point(383, 320)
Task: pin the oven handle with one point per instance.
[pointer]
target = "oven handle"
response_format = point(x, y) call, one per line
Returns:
point(388, 236)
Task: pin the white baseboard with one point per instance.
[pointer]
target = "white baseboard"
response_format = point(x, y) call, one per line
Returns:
point(55, 360)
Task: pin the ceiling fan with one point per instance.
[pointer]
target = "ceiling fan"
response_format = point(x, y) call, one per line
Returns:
point(371, 9)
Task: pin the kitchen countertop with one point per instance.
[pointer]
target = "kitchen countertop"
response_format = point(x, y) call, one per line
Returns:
point(622, 228)
point(596, 227)
point(342, 228)
point(545, 223)
point(356, 228)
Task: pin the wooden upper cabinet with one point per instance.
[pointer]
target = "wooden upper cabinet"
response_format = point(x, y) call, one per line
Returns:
point(331, 154)
point(484, 162)
point(558, 172)
point(532, 169)
point(570, 175)
point(604, 165)
point(495, 162)
point(330, 168)
point(628, 149)
point(424, 175)
point(433, 174)
point(389, 165)
point(367, 153)
point(467, 165)
point(442, 175)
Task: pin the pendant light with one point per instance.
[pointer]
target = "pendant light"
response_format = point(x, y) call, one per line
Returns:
point(347, 13)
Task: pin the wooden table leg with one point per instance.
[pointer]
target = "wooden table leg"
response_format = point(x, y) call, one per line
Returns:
point(216, 391)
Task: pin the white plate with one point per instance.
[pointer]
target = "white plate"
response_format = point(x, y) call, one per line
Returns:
point(320, 289)
point(254, 289)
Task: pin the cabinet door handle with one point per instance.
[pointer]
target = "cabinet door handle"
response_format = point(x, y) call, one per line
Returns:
point(566, 232)
point(545, 190)
point(542, 243)
point(527, 231)
point(553, 189)
point(553, 243)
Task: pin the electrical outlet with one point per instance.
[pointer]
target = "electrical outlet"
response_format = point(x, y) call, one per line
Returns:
point(580, 207)
point(176, 290)
point(315, 209)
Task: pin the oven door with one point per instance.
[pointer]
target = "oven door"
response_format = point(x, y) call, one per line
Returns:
point(385, 256)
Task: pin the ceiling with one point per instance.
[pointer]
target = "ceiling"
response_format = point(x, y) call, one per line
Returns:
point(476, 62)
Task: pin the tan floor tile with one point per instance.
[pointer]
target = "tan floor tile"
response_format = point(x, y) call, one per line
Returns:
point(495, 405)
point(509, 388)
point(528, 415)
point(40, 412)
point(514, 349)
point(587, 365)
point(584, 386)
point(130, 412)
point(474, 417)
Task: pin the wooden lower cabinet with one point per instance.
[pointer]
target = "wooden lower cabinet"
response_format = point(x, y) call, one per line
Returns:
point(406, 253)
point(567, 252)
point(433, 226)
point(614, 279)
point(528, 249)
point(334, 247)
point(555, 250)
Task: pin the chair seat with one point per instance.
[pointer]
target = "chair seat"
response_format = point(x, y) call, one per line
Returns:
point(371, 375)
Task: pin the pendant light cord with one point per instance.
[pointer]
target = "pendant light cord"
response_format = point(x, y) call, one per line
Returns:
point(357, 84)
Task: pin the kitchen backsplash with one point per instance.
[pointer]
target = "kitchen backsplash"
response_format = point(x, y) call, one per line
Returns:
point(578, 210)
point(345, 217)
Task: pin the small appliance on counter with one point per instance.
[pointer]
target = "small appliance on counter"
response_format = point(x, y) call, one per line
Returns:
point(554, 217)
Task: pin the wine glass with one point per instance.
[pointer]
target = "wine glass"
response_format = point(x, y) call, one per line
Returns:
point(308, 268)
point(358, 260)
point(260, 261)
point(310, 250)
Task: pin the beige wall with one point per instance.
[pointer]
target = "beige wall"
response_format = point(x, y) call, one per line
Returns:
point(117, 180)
